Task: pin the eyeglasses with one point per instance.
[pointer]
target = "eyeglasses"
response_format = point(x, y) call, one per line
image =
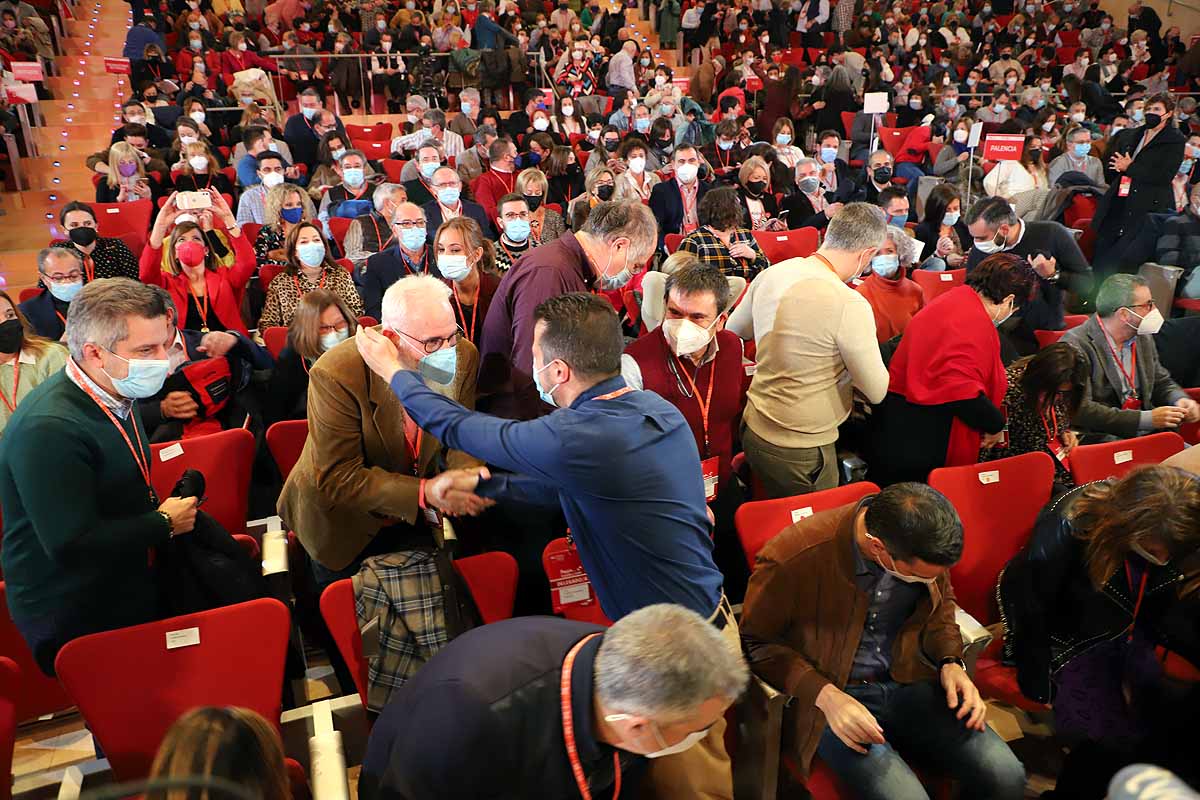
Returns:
point(446, 185)
point(324, 329)
point(409, 224)
point(70, 277)
point(514, 215)
point(1147, 304)
point(437, 342)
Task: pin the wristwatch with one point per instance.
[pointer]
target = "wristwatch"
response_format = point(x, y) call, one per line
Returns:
point(952, 660)
point(170, 523)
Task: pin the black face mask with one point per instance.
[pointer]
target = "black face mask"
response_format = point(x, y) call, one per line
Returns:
point(534, 201)
point(611, 144)
point(1153, 120)
point(605, 192)
point(83, 236)
point(756, 187)
point(150, 98)
point(882, 174)
point(239, 26)
point(12, 335)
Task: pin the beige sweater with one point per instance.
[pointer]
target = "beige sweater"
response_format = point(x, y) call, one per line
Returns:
point(816, 344)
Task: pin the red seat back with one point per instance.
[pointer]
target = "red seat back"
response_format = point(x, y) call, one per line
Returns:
point(275, 339)
point(1095, 462)
point(492, 580)
point(847, 122)
point(29, 293)
point(338, 611)
point(132, 684)
point(129, 222)
point(224, 458)
point(761, 521)
point(376, 150)
point(1074, 320)
point(1191, 431)
point(268, 272)
point(1047, 338)
point(1069, 38)
point(39, 694)
point(10, 692)
point(998, 503)
point(338, 227)
point(937, 283)
point(286, 440)
point(671, 242)
point(891, 138)
point(781, 245)
point(376, 132)
point(367, 321)
point(1066, 55)
point(394, 168)
point(1080, 208)
point(250, 231)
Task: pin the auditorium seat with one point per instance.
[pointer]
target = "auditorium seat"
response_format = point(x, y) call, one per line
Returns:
point(129, 222)
point(10, 693)
point(375, 132)
point(1047, 338)
point(39, 694)
point(285, 440)
point(225, 459)
point(781, 245)
point(338, 227)
point(759, 521)
point(938, 283)
point(671, 242)
point(275, 339)
point(1095, 462)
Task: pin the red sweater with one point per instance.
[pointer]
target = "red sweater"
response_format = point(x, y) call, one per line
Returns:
point(235, 61)
point(225, 286)
point(652, 353)
point(915, 146)
point(894, 303)
point(489, 187)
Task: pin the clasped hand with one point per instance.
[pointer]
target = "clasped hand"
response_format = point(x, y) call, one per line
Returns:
point(453, 491)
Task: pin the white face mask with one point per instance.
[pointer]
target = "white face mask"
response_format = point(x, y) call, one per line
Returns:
point(637, 165)
point(199, 163)
point(688, 742)
point(899, 575)
point(685, 336)
point(1150, 324)
point(1149, 559)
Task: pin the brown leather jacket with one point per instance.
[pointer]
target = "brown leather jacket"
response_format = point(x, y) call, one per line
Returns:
point(809, 568)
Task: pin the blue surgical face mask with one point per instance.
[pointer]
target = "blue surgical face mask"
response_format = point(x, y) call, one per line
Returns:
point(428, 168)
point(440, 366)
point(724, 144)
point(311, 254)
point(146, 377)
point(336, 155)
point(353, 176)
point(517, 230)
point(885, 265)
point(449, 196)
point(1082, 149)
point(547, 396)
point(828, 155)
point(309, 113)
point(1186, 165)
point(1138, 115)
point(64, 291)
point(466, 107)
point(412, 238)
point(453, 266)
point(334, 338)
point(951, 218)
point(783, 138)
point(292, 215)
point(641, 125)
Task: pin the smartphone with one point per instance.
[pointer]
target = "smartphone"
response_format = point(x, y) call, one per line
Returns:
point(193, 201)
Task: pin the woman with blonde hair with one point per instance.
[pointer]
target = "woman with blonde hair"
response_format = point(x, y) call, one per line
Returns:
point(232, 743)
point(467, 262)
point(760, 209)
point(1099, 611)
point(545, 224)
point(198, 169)
point(127, 179)
point(600, 185)
point(286, 206)
point(321, 322)
point(26, 359)
point(310, 266)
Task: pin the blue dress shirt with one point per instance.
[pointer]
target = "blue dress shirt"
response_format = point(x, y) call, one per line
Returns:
point(889, 605)
point(626, 473)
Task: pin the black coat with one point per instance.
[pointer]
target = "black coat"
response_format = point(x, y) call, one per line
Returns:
point(800, 212)
point(433, 218)
point(667, 205)
point(206, 569)
point(43, 314)
point(1151, 173)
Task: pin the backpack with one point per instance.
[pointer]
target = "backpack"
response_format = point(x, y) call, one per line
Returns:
point(209, 381)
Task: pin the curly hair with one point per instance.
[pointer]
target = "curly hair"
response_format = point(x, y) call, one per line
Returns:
point(278, 195)
point(1002, 274)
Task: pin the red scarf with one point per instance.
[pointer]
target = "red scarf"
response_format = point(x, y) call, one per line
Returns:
point(951, 352)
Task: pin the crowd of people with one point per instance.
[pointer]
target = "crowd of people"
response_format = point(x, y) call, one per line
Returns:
point(516, 319)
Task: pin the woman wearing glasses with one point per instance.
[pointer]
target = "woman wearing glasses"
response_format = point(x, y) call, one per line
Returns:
point(322, 321)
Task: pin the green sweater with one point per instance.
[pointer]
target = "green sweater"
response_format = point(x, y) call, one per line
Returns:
point(78, 518)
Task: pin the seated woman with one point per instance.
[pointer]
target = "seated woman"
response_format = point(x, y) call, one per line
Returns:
point(127, 179)
point(783, 139)
point(208, 296)
point(188, 132)
point(199, 170)
point(943, 233)
point(722, 241)
point(943, 401)
point(467, 262)
point(102, 257)
point(1100, 611)
point(759, 206)
point(636, 182)
point(1044, 391)
point(332, 146)
point(545, 224)
point(195, 109)
point(286, 207)
point(26, 359)
point(229, 742)
point(322, 321)
point(562, 170)
point(309, 266)
point(1011, 178)
point(599, 187)
point(894, 298)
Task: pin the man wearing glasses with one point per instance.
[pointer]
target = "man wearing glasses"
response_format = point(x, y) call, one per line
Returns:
point(448, 204)
point(1128, 392)
point(61, 270)
point(409, 255)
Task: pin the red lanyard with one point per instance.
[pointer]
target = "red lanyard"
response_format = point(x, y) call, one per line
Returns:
point(12, 407)
point(474, 309)
point(203, 310)
point(1137, 604)
point(825, 261)
point(414, 448)
point(1131, 374)
point(379, 236)
point(507, 184)
point(140, 456)
point(511, 258)
point(299, 291)
point(89, 266)
point(707, 402)
point(689, 209)
point(1050, 436)
point(724, 161)
point(568, 716)
point(614, 395)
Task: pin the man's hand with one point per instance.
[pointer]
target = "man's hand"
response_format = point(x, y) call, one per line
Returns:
point(1046, 267)
point(1120, 162)
point(991, 439)
point(1191, 408)
point(1167, 416)
point(453, 491)
point(849, 719)
point(217, 343)
point(379, 353)
point(182, 511)
point(962, 694)
point(1070, 440)
point(178, 405)
point(833, 209)
point(742, 250)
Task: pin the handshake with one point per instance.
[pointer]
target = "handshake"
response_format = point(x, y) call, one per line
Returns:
point(453, 491)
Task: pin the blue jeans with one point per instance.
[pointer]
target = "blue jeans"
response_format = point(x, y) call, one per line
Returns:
point(912, 173)
point(918, 724)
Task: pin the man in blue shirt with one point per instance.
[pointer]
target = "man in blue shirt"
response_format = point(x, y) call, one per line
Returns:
point(622, 464)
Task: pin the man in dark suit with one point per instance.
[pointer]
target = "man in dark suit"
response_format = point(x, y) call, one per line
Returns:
point(62, 272)
point(675, 201)
point(410, 255)
point(810, 207)
point(449, 204)
point(1128, 392)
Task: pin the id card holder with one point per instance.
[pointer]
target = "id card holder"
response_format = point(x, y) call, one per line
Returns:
point(710, 468)
point(1132, 404)
point(1059, 451)
point(1004, 432)
point(1124, 186)
point(433, 518)
point(571, 593)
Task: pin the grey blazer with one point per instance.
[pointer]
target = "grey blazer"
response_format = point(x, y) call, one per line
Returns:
point(1100, 411)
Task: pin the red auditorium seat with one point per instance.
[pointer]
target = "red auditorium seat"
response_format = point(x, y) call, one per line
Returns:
point(338, 227)
point(671, 242)
point(39, 695)
point(375, 132)
point(285, 440)
point(367, 321)
point(760, 521)
point(129, 222)
point(131, 684)
point(225, 459)
point(10, 690)
point(781, 245)
point(1095, 462)
point(1191, 431)
point(937, 283)
point(275, 339)
point(1047, 338)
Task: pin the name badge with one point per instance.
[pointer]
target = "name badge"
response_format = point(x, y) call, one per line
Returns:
point(1132, 404)
point(434, 518)
point(1124, 186)
point(710, 468)
point(1059, 450)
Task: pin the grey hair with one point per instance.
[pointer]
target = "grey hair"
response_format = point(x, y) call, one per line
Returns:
point(804, 162)
point(57, 252)
point(906, 246)
point(857, 227)
point(886, 155)
point(663, 661)
point(487, 129)
point(629, 218)
point(436, 117)
point(1117, 292)
point(100, 313)
point(358, 153)
point(470, 91)
point(1028, 96)
point(384, 193)
point(410, 293)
